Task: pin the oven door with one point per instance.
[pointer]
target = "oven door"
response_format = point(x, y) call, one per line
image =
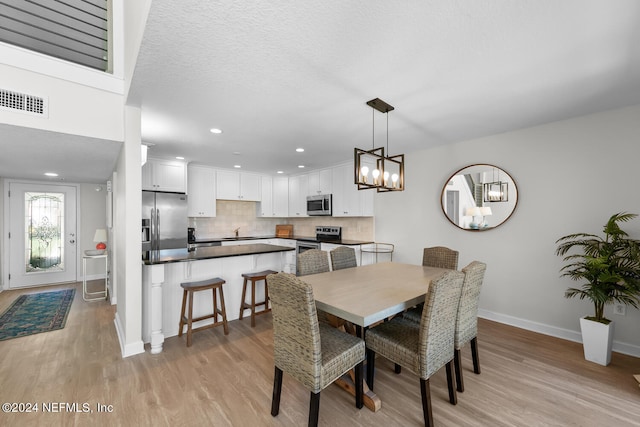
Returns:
point(302, 246)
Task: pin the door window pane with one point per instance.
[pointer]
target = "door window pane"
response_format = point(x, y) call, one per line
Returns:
point(44, 231)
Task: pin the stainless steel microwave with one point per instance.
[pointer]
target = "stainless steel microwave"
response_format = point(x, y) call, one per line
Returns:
point(319, 205)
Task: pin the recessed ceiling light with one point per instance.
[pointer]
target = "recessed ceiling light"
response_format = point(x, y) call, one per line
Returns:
point(215, 130)
point(237, 166)
point(51, 174)
point(300, 150)
point(280, 172)
point(180, 158)
point(301, 166)
point(236, 153)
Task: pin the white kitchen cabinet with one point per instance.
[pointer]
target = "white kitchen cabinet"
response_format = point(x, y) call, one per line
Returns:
point(164, 175)
point(264, 209)
point(281, 196)
point(201, 191)
point(347, 199)
point(298, 188)
point(232, 185)
point(320, 182)
point(275, 197)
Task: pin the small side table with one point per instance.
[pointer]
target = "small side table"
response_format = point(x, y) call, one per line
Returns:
point(91, 296)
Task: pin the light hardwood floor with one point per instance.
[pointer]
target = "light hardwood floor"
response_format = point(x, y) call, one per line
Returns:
point(527, 379)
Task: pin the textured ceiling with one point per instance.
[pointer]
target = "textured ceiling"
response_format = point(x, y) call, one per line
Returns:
point(280, 75)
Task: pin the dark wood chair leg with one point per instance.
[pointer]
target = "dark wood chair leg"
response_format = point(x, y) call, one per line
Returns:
point(277, 391)
point(457, 362)
point(425, 390)
point(223, 311)
point(453, 398)
point(244, 295)
point(184, 306)
point(314, 409)
point(371, 359)
point(397, 368)
point(474, 355)
point(359, 387)
point(190, 320)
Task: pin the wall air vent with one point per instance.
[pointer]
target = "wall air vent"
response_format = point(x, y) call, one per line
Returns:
point(24, 103)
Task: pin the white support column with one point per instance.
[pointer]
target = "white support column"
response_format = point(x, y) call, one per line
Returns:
point(157, 279)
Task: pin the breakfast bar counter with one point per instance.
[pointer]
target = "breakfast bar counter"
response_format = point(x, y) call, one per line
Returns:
point(164, 270)
point(209, 252)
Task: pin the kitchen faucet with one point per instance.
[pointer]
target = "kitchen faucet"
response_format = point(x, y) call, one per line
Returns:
point(236, 231)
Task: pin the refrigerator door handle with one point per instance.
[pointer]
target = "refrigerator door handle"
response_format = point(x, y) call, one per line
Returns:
point(157, 229)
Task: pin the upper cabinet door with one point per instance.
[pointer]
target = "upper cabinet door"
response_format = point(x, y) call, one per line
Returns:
point(232, 185)
point(320, 182)
point(201, 191)
point(164, 175)
point(250, 187)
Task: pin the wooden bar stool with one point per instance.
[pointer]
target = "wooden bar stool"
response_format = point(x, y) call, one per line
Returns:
point(190, 288)
point(255, 277)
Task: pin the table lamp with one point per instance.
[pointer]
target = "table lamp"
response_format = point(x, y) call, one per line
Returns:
point(485, 211)
point(100, 237)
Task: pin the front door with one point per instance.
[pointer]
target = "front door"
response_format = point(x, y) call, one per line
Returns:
point(42, 238)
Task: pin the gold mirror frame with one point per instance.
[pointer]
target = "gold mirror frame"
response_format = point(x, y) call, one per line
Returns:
point(463, 194)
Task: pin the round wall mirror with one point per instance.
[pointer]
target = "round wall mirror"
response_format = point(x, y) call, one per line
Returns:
point(479, 197)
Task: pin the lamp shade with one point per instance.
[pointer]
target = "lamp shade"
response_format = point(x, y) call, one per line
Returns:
point(100, 236)
point(473, 211)
point(485, 211)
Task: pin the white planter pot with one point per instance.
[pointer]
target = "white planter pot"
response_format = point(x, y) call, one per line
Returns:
point(597, 339)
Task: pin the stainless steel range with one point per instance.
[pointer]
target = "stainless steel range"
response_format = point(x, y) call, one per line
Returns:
point(323, 234)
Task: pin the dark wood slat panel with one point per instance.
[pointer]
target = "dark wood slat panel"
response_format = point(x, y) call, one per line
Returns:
point(43, 18)
point(33, 24)
point(54, 39)
point(52, 50)
point(97, 18)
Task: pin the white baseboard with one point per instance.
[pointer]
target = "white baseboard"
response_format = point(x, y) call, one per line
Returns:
point(554, 331)
point(127, 349)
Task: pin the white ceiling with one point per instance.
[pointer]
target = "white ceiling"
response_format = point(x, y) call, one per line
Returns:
point(275, 76)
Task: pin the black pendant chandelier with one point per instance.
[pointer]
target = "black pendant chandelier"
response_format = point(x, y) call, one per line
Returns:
point(387, 172)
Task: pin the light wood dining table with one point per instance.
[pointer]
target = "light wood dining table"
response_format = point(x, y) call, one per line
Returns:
point(369, 294)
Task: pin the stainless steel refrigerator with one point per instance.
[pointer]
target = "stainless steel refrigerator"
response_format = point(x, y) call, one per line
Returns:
point(164, 220)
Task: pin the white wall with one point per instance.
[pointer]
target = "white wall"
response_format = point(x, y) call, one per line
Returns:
point(92, 217)
point(126, 225)
point(572, 176)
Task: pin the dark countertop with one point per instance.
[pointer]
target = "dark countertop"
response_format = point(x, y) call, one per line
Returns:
point(179, 255)
point(305, 238)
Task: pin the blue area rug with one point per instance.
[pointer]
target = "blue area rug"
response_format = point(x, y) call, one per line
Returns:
point(34, 313)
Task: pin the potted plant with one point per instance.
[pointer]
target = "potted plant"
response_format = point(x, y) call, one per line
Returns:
point(609, 268)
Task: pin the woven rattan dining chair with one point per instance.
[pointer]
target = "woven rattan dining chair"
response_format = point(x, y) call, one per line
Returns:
point(440, 257)
point(313, 353)
point(312, 261)
point(343, 257)
point(422, 348)
point(467, 319)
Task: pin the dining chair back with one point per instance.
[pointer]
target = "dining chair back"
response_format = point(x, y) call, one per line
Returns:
point(343, 257)
point(312, 261)
point(467, 319)
point(440, 257)
point(422, 348)
point(312, 352)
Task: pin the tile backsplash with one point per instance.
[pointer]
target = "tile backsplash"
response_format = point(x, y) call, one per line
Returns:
point(242, 215)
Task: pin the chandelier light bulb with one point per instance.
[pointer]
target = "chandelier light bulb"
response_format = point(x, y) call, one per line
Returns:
point(385, 176)
point(364, 171)
point(394, 179)
point(376, 174)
